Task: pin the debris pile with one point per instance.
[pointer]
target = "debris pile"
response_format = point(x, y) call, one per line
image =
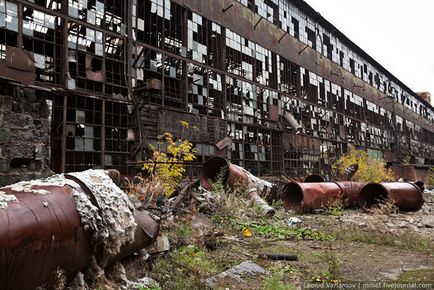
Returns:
point(95, 235)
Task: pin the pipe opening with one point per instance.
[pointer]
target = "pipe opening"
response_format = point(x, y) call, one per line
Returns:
point(214, 169)
point(421, 185)
point(292, 195)
point(314, 178)
point(373, 194)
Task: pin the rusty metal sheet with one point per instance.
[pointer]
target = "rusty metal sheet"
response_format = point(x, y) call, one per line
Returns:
point(390, 156)
point(223, 143)
point(273, 113)
point(20, 59)
point(92, 74)
point(342, 132)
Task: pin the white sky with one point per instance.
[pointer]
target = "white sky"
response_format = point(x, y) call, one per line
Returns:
point(398, 34)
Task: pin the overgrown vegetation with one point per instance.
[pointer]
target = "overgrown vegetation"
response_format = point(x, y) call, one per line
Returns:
point(165, 170)
point(370, 169)
point(336, 209)
point(184, 268)
point(283, 232)
point(168, 165)
point(332, 264)
point(276, 280)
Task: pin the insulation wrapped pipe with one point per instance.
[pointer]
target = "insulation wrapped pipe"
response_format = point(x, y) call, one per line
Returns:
point(293, 122)
point(260, 202)
point(315, 195)
point(41, 231)
point(406, 196)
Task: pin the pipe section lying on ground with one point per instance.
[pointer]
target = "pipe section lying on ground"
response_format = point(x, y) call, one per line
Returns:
point(42, 231)
point(314, 178)
point(315, 195)
point(220, 169)
point(350, 192)
point(405, 195)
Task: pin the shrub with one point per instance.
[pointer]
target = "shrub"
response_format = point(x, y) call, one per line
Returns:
point(370, 169)
point(169, 166)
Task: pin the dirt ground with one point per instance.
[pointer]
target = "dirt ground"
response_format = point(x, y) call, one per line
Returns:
point(333, 246)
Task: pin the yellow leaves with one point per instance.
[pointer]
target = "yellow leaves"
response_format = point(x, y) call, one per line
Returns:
point(246, 233)
point(169, 166)
point(184, 124)
point(370, 169)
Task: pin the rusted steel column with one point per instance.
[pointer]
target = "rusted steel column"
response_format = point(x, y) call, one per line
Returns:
point(405, 195)
point(40, 233)
point(220, 168)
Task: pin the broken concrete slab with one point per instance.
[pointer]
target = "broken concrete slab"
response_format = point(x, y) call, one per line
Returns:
point(236, 273)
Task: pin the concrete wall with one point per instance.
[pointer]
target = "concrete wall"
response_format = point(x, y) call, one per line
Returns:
point(24, 137)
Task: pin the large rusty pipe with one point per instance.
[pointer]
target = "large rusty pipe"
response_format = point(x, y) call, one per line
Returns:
point(42, 233)
point(220, 169)
point(350, 192)
point(405, 195)
point(308, 196)
point(315, 195)
point(314, 178)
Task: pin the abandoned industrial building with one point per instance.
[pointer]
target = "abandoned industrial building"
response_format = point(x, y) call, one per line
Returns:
point(270, 84)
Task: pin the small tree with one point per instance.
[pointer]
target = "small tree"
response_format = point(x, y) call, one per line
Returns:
point(169, 166)
point(370, 169)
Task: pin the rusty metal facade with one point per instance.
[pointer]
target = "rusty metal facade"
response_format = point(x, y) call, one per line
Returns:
point(288, 89)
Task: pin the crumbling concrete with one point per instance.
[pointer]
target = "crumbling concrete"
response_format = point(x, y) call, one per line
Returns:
point(24, 137)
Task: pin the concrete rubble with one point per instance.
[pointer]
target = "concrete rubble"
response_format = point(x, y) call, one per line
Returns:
point(237, 273)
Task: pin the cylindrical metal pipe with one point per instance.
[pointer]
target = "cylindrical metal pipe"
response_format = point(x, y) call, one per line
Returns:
point(308, 196)
point(293, 122)
point(260, 202)
point(315, 195)
point(405, 195)
point(350, 192)
point(220, 169)
point(40, 233)
point(314, 178)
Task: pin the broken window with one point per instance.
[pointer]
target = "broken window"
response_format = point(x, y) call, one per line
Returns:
point(240, 54)
point(264, 66)
point(150, 21)
point(205, 91)
point(149, 67)
point(9, 15)
point(42, 36)
point(116, 136)
point(173, 94)
point(174, 27)
point(287, 75)
point(83, 133)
